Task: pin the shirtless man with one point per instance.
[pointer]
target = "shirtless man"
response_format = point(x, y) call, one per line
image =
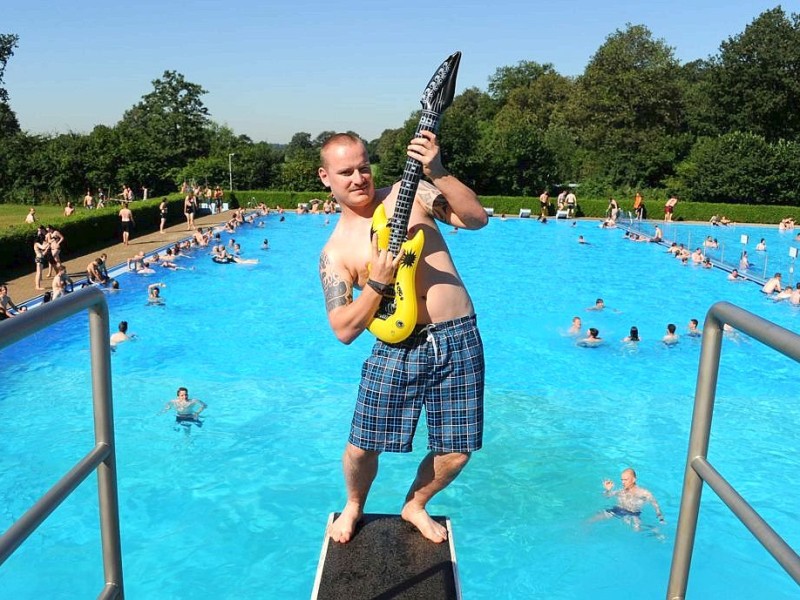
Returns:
point(773, 284)
point(126, 216)
point(693, 329)
point(121, 335)
point(671, 337)
point(592, 338)
point(7, 304)
point(630, 499)
point(185, 408)
point(446, 319)
point(94, 272)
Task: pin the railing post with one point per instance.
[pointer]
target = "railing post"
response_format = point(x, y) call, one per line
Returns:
point(104, 433)
point(698, 446)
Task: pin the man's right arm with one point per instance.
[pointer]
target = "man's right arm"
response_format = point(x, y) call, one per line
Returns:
point(347, 317)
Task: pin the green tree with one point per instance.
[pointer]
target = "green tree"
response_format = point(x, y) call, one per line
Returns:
point(756, 79)
point(627, 98)
point(8, 41)
point(735, 167)
point(163, 132)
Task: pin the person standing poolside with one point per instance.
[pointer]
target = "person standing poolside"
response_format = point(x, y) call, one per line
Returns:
point(189, 207)
point(162, 211)
point(630, 499)
point(442, 355)
point(126, 216)
point(544, 204)
point(572, 204)
point(669, 208)
point(40, 248)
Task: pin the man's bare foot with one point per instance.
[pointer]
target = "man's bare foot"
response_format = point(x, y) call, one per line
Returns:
point(420, 519)
point(344, 526)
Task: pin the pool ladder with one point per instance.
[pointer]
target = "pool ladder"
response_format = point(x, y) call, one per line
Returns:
point(699, 470)
point(102, 457)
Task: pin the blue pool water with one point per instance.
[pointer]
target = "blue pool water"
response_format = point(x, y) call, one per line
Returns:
point(237, 509)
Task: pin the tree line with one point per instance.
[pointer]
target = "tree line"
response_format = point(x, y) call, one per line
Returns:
point(721, 129)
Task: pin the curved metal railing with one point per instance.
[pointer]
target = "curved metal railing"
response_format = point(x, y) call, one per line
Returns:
point(102, 457)
point(699, 470)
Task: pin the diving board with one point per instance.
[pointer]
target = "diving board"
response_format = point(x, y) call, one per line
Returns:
point(387, 559)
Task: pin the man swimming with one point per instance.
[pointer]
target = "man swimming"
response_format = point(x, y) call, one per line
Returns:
point(630, 499)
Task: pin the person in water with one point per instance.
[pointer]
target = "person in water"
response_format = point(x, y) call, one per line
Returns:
point(186, 411)
point(630, 499)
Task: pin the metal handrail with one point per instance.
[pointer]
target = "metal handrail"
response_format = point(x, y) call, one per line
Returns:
point(102, 457)
point(698, 469)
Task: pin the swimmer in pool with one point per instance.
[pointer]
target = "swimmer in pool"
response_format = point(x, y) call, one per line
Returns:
point(186, 411)
point(671, 338)
point(576, 327)
point(630, 500)
point(154, 293)
point(592, 338)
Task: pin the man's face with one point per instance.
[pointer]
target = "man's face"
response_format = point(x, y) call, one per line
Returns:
point(628, 480)
point(346, 171)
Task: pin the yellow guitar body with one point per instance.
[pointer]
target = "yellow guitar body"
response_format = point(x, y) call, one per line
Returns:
point(396, 317)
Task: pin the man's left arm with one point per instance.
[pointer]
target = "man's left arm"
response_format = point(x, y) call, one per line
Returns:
point(450, 201)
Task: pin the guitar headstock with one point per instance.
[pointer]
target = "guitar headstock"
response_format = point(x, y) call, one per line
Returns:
point(441, 89)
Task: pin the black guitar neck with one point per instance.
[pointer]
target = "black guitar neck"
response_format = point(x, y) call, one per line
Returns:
point(408, 187)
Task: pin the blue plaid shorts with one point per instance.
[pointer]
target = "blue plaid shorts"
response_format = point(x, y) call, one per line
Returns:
point(440, 367)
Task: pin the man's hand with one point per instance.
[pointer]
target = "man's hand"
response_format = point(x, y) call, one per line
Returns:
point(425, 149)
point(383, 265)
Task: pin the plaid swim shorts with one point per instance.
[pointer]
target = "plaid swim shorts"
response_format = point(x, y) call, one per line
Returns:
point(440, 367)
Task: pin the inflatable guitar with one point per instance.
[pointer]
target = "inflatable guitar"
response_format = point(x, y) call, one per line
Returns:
point(397, 314)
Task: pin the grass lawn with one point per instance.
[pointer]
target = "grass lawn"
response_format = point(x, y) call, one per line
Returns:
point(46, 214)
point(14, 214)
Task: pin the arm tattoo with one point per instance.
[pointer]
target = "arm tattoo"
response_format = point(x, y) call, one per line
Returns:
point(435, 203)
point(337, 292)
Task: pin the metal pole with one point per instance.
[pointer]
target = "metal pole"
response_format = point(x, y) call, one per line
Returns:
point(698, 446)
point(104, 434)
point(230, 171)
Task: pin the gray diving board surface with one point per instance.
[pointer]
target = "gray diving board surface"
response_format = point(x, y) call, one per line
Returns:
point(387, 559)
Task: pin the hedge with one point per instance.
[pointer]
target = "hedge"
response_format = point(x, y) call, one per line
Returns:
point(88, 231)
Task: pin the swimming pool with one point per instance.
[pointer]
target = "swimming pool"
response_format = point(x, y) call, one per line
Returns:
point(237, 508)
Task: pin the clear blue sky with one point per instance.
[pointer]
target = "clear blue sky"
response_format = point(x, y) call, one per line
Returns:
point(273, 68)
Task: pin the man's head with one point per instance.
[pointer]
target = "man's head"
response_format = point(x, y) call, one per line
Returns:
point(123, 326)
point(345, 169)
point(628, 478)
point(671, 328)
point(183, 392)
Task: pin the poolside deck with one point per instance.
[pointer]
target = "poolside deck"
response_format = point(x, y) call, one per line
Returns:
point(21, 288)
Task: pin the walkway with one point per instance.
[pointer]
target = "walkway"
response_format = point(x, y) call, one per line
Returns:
point(22, 288)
